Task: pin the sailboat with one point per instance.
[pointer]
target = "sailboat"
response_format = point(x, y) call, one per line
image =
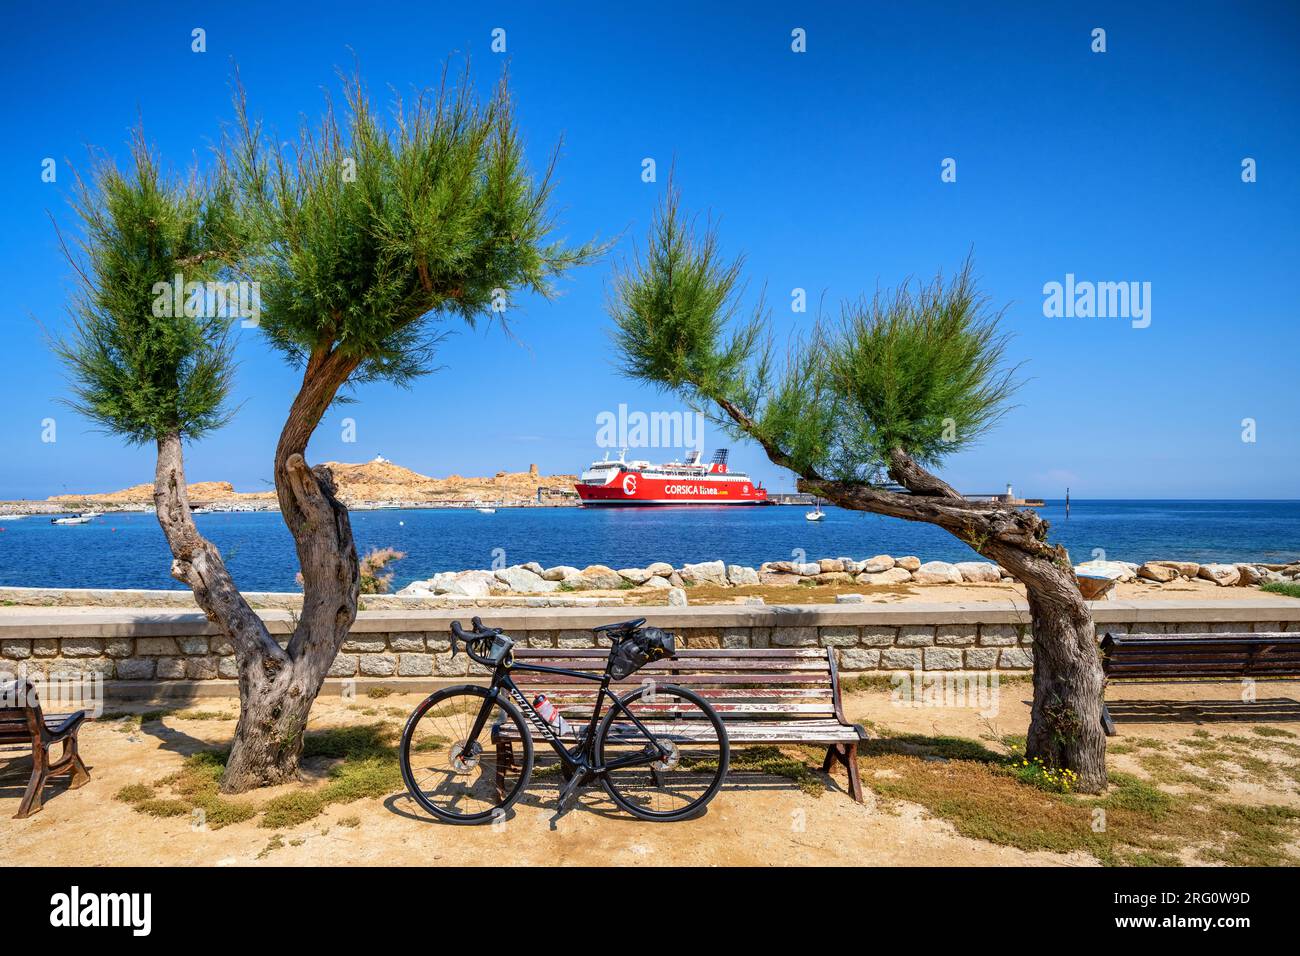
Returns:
point(816, 514)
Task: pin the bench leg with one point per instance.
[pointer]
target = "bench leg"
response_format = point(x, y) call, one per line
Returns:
point(832, 754)
point(1107, 724)
point(505, 761)
point(847, 754)
point(31, 802)
point(855, 782)
point(71, 759)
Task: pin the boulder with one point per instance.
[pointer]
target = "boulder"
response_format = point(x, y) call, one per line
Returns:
point(1115, 570)
point(534, 567)
point(851, 566)
point(978, 572)
point(909, 563)
point(937, 572)
point(660, 569)
point(677, 597)
point(881, 562)
point(833, 577)
point(635, 575)
point(741, 576)
point(465, 583)
point(559, 572)
point(827, 565)
point(656, 582)
point(777, 567)
point(705, 572)
point(850, 599)
point(1095, 587)
point(1188, 569)
point(1160, 573)
point(595, 577)
point(525, 581)
point(1250, 575)
point(808, 570)
point(776, 579)
point(890, 576)
point(1224, 575)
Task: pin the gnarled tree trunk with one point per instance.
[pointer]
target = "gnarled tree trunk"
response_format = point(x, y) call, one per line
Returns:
point(277, 685)
point(1065, 723)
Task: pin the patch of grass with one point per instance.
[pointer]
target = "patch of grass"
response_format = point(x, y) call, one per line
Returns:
point(1286, 588)
point(204, 715)
point(378, 693)
point(275, 843)
point(1135, 823)
point(773, 760)
point(1272, 732)
point(368, 768)
point(135, 793)
point(351, 822)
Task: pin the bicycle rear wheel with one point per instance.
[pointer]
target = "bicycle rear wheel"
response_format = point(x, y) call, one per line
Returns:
point(679, 786)
point(461, 780)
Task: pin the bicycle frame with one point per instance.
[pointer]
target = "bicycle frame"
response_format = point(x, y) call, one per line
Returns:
point(582, 757)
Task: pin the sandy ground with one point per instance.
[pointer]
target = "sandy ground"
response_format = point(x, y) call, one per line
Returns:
point(756, 820)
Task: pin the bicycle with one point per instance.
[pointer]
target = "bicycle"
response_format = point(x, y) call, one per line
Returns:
point(660, 751)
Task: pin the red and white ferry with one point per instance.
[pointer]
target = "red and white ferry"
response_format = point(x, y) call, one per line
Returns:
point(623, 482)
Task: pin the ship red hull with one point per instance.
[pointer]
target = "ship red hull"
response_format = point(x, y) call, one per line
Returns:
point(632, 489)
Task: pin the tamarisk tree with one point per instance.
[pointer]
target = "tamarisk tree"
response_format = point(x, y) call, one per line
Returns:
point(363, 236)
point(900, 382)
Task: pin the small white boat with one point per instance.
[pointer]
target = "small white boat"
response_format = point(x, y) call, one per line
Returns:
point(816, 514)
point(484, 510)
point(13, 517)
point(72, 519)
point(92, 514)
point(200, 511)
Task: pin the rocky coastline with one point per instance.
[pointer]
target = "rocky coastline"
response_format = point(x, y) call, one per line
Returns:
point(1095, 577)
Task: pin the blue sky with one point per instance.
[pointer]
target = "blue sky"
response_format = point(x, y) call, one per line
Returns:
point(824, 168)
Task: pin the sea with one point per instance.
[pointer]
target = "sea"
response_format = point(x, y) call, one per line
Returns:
point(129, 551)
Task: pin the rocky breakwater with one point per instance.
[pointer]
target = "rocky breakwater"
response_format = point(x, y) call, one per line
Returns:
point(533, 578)
point(1096, 577)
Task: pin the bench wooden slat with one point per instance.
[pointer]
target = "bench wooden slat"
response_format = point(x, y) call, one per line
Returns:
point(763, 696)
point(1192, 656)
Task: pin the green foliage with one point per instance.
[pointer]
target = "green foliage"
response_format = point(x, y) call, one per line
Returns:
point(372, 564)
point(919, 371)
point(134, 371)
point(1286, 588)
point(368, 230)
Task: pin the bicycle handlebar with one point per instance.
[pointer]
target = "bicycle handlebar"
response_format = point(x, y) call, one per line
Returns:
point(476, 637)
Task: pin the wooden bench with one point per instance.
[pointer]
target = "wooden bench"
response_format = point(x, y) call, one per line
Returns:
point(776, 696)
point(23, 725)
point(1200, 656)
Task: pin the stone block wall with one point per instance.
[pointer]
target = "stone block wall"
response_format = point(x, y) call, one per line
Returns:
point(179, 647)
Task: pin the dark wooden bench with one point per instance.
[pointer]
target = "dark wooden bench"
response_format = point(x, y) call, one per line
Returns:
point(777, 696)
point(1197, 656)
point(23, 725)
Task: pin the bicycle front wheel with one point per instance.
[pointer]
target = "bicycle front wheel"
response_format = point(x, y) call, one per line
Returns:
point(670, 788)
point(460, 776)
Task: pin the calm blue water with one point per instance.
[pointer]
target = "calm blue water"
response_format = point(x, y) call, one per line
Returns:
point(129, 550)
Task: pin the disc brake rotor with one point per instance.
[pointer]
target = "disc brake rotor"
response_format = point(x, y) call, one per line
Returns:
point(672, 760)
point(465, 758)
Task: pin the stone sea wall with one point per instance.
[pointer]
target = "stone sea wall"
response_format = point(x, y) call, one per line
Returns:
point(153, 649)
